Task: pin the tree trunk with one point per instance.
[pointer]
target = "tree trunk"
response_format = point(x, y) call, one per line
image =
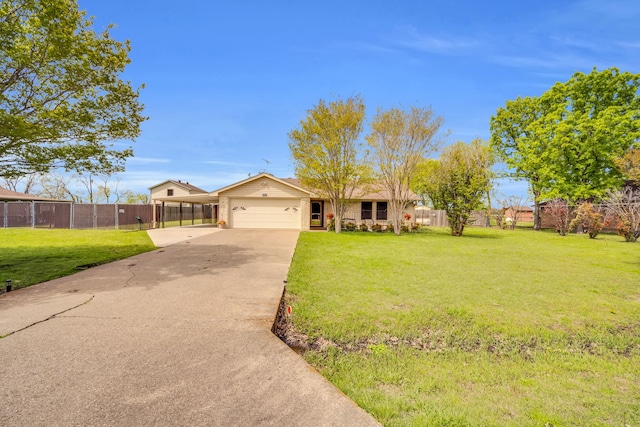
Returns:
point(537, 220)
point(396, 217)
point(338, 223)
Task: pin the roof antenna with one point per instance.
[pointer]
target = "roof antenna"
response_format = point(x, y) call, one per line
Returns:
point(268, 163)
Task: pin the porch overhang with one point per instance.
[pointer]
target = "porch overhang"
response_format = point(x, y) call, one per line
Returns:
point(200, 199)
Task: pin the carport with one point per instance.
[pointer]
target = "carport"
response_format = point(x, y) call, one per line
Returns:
point(203, 200)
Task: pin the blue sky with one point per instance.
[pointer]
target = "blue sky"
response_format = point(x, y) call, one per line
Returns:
point(227, 80)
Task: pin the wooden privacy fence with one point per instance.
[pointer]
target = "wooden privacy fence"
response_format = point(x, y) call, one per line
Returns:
point(74, 215)
point(438, 218)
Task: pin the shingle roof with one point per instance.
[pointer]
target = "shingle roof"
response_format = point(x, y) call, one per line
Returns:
point(192, 187)
point(373, 193)
point(186, 185)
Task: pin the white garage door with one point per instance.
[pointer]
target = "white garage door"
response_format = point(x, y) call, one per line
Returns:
point(265, 213)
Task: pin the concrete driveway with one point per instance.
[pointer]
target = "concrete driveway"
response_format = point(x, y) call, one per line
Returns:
point(177, 336)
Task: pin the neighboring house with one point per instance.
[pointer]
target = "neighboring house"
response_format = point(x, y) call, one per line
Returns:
point(176, 190)
point(171, 188)
point(524, 214)
point(14, 196)
point(264, 201)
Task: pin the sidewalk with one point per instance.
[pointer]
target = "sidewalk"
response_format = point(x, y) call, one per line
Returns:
point(177, 336)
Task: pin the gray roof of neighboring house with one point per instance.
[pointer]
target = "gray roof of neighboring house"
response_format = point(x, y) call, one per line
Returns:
point(185, 185)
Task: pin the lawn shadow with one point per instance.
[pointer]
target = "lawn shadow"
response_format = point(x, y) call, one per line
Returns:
point(470, 233)
point(144, 269)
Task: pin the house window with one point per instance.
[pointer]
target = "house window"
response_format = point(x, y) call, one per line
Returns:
point(366, 210)
point(170, 192)
point(381, 211)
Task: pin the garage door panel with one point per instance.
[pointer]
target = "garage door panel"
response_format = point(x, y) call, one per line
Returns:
point(265, 213)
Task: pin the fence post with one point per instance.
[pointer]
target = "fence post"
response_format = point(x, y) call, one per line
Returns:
point(33, 214)
point(95, 216)
point(117, 221)
point(6, 212)
point(71, 225)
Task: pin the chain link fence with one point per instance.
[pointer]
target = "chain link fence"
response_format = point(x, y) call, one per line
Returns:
point(72, 215)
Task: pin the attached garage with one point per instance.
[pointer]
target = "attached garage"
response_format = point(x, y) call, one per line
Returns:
point(264, 201)
point(265, 213)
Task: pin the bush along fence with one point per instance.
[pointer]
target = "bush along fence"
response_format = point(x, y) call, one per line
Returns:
point(423, 218)
point(74, 215)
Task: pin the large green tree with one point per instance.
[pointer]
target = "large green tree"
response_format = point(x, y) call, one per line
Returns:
point(458, 181)
point(62, 102)
point(565, 142)
point(518, 142)
point(400, 140)
point(596, 120)
point(326, 152)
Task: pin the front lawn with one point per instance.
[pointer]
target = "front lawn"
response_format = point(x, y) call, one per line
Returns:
point(29, 256)
point(498, 327)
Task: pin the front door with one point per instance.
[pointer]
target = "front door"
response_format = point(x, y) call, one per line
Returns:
point(316, 213)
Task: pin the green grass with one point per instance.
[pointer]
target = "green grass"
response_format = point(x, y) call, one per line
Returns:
point(498, 327)
point(29, 256)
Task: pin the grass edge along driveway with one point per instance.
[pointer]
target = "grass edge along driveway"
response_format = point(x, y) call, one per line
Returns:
point(29, 256)
point(494, 328)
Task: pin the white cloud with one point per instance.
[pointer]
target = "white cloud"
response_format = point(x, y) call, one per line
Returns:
point(629, 44)
point(146, 160)
point(550, 61)
point(225, 163)
point(410, 37)
point(575, 42)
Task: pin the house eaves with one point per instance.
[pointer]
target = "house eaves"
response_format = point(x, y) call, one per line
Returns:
point(263, 175)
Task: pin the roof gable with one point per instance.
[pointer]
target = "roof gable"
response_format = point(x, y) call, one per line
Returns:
point(260, 176)
point(185, 185)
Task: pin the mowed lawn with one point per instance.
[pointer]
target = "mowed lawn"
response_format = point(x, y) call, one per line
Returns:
point(29, 256)
point(495, 328)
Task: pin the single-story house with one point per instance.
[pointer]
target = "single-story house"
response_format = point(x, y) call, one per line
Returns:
point(264, 201)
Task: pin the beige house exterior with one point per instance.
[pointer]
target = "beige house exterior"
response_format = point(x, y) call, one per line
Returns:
point(171, 188)
point(264, 201)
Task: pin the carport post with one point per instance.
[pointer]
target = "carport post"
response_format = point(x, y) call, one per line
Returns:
point(180, 214)
point(192, 214)
point(162, 214)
